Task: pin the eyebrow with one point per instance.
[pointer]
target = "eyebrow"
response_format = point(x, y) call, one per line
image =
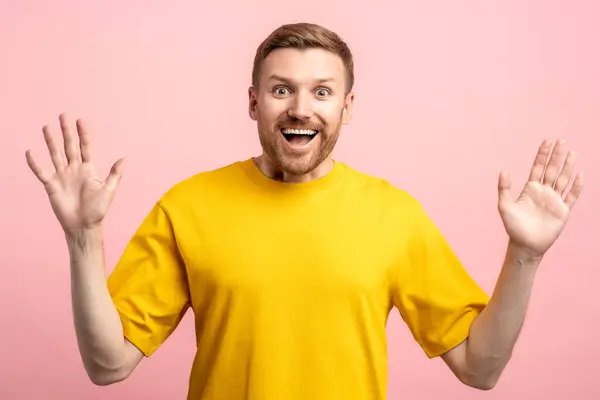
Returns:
point(283, 79)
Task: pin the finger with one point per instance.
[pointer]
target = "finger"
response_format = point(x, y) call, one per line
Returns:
point(539, 164)
point(56, 155)
point(565, 175)
point(38, 171)
point(575, 191)
point(116, 172)
point(84, 142)
point(553, 166)
point(504, 184)
point(70, 142)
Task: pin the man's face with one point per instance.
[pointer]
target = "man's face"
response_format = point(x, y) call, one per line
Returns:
point(300, 106)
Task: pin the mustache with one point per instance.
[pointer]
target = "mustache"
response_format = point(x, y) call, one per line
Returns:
point(289, 124)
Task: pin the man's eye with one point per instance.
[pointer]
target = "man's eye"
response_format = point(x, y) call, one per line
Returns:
point(281, 91)
point(322, 92)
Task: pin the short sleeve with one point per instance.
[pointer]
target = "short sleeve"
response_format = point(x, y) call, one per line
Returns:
point(434, 294)
point(149, 284)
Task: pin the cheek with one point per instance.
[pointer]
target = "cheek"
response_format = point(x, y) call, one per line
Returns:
point(332, 115)
point(269, 111)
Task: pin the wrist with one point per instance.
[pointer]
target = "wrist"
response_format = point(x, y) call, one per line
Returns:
point(82, 238)
point(524, 255)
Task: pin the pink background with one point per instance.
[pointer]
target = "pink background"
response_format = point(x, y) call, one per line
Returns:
point(448, 93)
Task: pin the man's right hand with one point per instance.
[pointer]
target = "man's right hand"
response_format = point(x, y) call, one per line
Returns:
point(79, 199)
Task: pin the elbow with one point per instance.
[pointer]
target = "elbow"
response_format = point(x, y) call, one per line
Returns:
point(101, 380)
point(482, 380)
point(485, 373)
point(101, 376)
point(482, 383)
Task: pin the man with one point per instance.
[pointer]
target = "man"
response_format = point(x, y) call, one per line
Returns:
point(292, 261)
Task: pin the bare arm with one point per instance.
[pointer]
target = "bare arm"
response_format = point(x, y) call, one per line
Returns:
point(80, 201)
point(479, 361)
point(533, 222)
point(106, 355)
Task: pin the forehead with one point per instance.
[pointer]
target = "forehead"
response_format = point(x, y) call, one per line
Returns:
point(304, 65)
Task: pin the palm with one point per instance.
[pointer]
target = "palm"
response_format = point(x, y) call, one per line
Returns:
point(537, 217)
point(78, 197)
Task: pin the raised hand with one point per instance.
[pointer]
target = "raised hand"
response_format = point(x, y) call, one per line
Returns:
point(537, 217)
point(79, 199)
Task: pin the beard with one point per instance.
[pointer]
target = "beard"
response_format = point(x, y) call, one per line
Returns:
point(285, 159)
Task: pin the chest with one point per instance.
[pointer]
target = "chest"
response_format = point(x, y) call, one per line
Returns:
point(329, 254)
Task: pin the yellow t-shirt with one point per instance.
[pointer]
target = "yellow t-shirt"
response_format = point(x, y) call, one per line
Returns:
point(291, 284)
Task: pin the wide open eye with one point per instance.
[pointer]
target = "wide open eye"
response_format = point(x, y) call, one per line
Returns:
point(323, 92)
point(281, 91)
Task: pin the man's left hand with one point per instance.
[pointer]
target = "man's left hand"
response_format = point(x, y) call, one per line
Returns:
point(537, 217)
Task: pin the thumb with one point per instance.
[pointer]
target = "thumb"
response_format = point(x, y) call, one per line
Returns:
point(504, 187)
point(116, 172)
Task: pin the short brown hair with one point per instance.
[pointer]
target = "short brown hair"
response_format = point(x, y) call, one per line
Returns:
point(304, 36)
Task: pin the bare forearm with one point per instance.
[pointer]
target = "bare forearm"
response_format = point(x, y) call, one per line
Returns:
point(495, 332)
point(97, 323)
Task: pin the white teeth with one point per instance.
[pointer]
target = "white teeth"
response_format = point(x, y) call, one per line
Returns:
point(299, 132)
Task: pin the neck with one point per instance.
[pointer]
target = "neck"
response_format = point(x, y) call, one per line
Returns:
point(276, 173)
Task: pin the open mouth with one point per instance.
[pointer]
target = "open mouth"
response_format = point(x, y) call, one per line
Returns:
point(299, 137)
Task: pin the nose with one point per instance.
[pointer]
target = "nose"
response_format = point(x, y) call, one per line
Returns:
point(300, 108)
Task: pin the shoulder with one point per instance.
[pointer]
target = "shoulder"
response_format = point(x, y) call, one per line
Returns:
point(380, 190)
point(197, 187)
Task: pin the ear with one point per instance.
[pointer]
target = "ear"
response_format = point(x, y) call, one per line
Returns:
point(252, 103)
point(347, 111)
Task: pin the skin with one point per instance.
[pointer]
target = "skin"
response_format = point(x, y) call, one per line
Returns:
point(302, 89)
point(533, 222)
point(305, 90)
point(80, 199)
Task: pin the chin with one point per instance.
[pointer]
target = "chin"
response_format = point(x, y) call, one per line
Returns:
point(297, 168)
point(301, 164)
